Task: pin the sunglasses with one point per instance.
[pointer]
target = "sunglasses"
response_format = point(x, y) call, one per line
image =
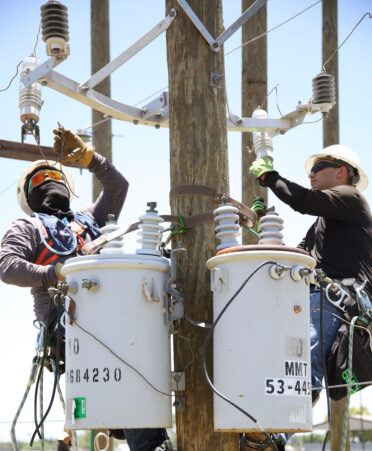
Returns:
point(322, 165)
point(40, 176)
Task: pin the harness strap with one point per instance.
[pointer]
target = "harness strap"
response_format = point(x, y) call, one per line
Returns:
point(247, 217)
point(43, 254)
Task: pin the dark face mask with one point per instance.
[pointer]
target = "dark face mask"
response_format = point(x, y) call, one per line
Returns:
point(52, 198)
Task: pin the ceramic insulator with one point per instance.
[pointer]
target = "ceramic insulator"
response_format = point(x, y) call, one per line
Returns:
point(150, 236)
point(270, 226)
point(29, 98)
point(324, 90)
point(262, 141)
point(227, 228)
point(115, 246)
point(54, 20)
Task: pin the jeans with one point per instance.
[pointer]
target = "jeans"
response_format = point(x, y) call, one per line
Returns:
point(331, 324)
point(144, 439)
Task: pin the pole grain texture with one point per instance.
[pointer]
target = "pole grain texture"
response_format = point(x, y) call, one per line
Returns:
point(198, 155)
point(254, 90)
point(100, 56)
point(102, 135)
point(331, 135)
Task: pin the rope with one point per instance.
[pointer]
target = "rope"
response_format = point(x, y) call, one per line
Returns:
point(349, 374)
point(31, 380)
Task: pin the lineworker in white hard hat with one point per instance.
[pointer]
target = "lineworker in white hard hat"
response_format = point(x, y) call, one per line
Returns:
point(340, 240)
point(34, 249)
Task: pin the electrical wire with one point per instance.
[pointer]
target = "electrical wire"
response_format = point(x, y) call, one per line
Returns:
point(149, 97)
point(7, 187)
point(211, 330)
point(56, 374)
point(119, 358)
point(347, 37)
point(272, 29)
point(37, 39)
point(2, 90)
point(34, 54)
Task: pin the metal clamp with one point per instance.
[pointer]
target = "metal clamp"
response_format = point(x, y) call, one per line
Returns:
point(339, 291)
point(363, 300)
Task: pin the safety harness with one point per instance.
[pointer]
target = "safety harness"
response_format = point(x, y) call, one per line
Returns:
point(61, 237)
point(354, 303)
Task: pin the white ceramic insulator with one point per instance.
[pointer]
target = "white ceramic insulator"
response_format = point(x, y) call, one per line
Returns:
point(29, 98)
point(270, 226)
point(227, 228)
point(115, 246)
point(150, 235)
point(262, 141)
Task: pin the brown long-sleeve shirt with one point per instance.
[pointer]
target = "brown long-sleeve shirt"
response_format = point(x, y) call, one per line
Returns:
point(22, 244)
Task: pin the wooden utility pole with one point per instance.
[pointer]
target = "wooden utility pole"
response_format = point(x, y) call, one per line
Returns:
point(198, 155)
point(254, 90)
point(100, 56)
point(331, 135)
point(102, 134)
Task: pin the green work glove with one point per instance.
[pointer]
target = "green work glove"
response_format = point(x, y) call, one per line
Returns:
point(261, 166)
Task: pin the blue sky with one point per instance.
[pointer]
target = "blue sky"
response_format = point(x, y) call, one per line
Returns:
point(142, 153)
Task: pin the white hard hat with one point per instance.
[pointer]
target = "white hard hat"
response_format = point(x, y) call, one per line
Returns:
point(22, 188)
point(342, 153)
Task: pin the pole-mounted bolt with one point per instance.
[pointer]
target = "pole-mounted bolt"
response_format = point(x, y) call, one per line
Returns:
point(224, 200)
point(152, 206)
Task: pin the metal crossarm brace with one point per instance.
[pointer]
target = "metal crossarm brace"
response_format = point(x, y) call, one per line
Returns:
point(248, 13)
point(199, 25)
point(216, 43)
point(105, 71)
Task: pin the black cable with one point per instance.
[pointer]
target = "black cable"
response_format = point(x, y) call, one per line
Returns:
point(41, 367)
point(322, 356)
point(56, 375)
point(211, 330)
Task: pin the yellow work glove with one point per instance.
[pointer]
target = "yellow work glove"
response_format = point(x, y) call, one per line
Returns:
point(70, 147)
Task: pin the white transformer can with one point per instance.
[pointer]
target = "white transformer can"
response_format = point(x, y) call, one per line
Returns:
point(261, 354)
point(120, 304)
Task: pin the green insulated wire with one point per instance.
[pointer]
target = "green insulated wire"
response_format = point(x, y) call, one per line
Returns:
point(31, 380)
point(350, 372)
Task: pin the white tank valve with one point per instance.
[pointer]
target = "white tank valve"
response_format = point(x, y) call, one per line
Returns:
point(227, 228)
point(150, 231)
point(277, 271)
point(299, 273)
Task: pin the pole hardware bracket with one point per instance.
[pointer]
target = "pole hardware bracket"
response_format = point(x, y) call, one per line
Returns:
point(216, 80)
point(178, 381)
point(216, 43)
point(180, 404)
